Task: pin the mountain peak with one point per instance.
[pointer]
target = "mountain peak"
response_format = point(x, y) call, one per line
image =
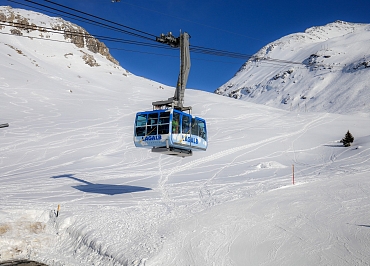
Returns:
point(19, 21)
point(325, 69)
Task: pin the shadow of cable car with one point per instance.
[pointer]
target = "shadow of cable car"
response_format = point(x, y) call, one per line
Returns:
point(106, 189)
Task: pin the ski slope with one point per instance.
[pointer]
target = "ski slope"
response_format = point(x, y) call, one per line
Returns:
point(231, 205)
point(70, 143)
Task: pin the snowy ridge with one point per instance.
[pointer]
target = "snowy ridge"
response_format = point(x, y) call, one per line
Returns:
point(70, 143)
point(320, 70)
point(36, 25)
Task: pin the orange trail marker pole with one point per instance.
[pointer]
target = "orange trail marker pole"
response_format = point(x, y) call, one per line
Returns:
point(58, 210)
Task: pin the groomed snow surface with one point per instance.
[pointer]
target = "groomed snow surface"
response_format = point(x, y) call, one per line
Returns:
point(70, 143)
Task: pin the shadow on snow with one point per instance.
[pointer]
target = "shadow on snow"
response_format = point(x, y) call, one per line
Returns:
point(106, 189)
point(363, 225)
point(334, 145)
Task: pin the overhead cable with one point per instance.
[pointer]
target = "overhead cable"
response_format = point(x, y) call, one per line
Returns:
point(90, 20)
point(103, 19)
point(139, 34)
point(58, 14)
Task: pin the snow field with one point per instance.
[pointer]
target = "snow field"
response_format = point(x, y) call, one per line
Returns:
point(70, 143)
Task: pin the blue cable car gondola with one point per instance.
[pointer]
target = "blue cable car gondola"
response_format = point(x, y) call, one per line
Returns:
point(168, 129)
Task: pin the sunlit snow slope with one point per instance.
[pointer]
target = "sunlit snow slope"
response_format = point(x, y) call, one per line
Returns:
point(70, 143)
point(324, 69)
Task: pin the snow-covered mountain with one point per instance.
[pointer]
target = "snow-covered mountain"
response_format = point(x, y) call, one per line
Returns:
point(69, 143)
point(326, 68)
point(38, 27)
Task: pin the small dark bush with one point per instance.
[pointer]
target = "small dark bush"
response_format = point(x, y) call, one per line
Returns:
point(348, 139)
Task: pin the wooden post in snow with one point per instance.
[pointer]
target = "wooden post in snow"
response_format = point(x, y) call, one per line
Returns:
point(58, 211)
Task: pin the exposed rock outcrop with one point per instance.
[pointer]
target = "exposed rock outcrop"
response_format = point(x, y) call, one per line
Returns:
point(75, 34)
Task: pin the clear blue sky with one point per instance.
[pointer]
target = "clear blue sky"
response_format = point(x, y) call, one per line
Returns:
point(233, 25)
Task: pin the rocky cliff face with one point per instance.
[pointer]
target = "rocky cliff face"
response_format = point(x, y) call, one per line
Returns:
point(21, 24)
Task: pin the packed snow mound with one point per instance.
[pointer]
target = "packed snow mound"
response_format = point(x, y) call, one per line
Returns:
point(324, 69)
point(23, 233)
point(270, 165)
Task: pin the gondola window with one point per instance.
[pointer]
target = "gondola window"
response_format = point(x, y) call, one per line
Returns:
point(141, 125)
point(152, 124)
point(164, 123)
point(185, 125)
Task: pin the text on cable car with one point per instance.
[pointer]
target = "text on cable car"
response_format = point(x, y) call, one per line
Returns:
point(191, 139)
point(147, 138)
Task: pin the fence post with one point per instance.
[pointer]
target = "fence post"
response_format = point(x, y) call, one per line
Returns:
point(58, 211)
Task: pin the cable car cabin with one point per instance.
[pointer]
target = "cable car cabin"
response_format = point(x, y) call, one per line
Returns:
point(170, 131)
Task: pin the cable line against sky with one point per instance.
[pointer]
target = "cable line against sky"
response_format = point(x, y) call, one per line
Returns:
point(109, 26)
point(197, 49)
point(79, 34)
point(103, 19)
point(91, 20)
point(58, 14)
point(113, 48)
point(192, 21)
point(192, 47)
point(81, 16)
point(120, 40)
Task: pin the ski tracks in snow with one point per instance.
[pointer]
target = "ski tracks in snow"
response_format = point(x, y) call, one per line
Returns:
point(204, 186)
